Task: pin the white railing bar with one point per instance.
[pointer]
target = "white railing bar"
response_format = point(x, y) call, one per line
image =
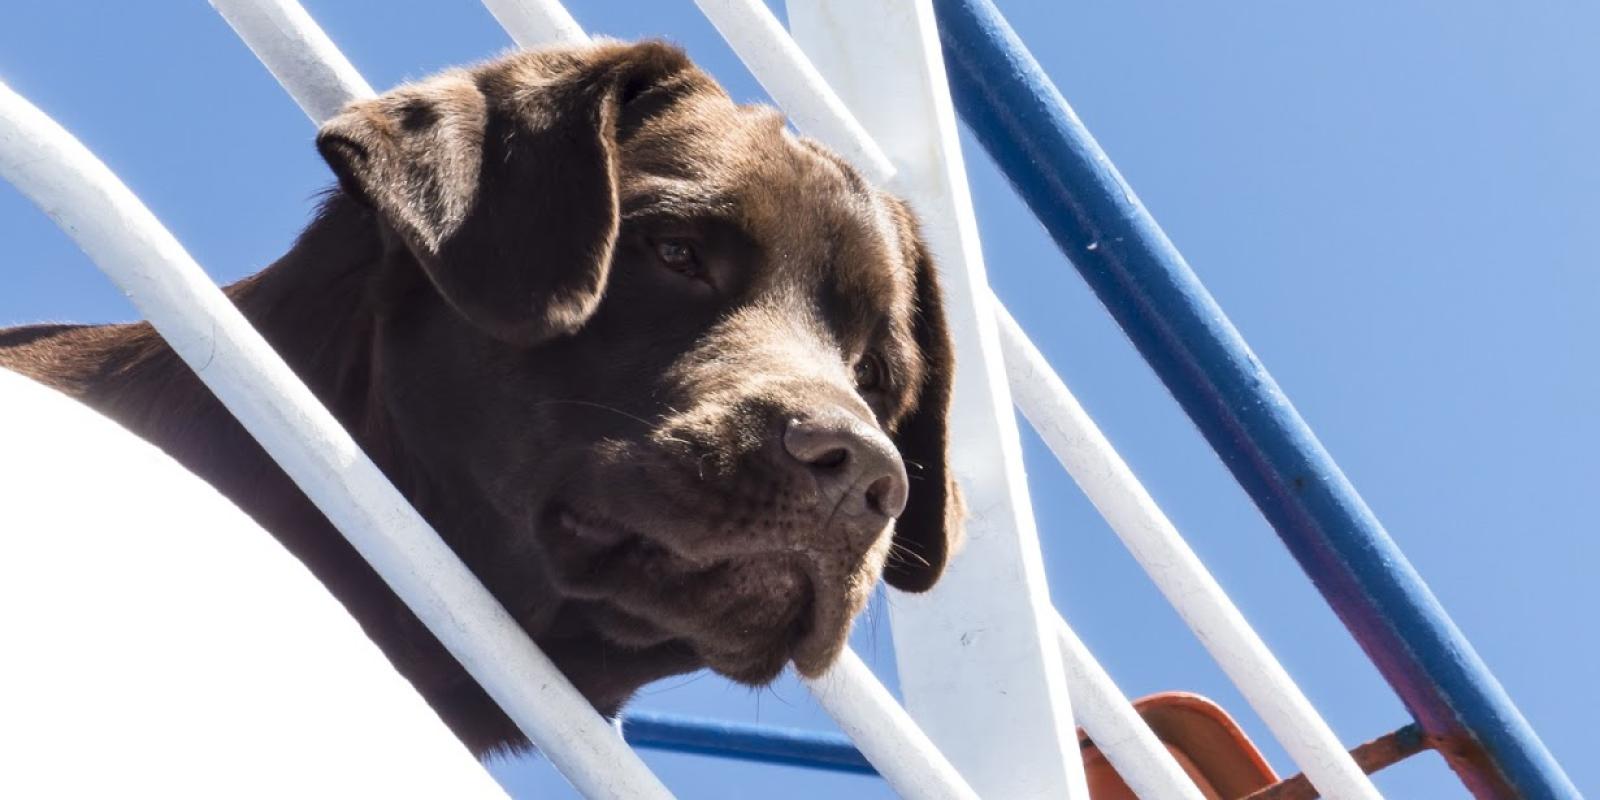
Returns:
point(130, 245)
point(904, 751)
point(536, 23)
point(1295, 722)
point(1099, 706)
point(1177, 571)
point(1116, 727)
point(863, 708)
point(772, 56)
point(979, 663)
point(297, 52)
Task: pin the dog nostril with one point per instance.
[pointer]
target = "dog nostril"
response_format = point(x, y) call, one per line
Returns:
point(821, 445)
point(887, 496)
point(831, 459)
point(849, 460)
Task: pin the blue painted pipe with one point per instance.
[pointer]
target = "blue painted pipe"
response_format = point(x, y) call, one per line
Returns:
point(1094, 217)
point(829, 751)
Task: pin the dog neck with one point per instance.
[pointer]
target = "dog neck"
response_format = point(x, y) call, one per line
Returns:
point(303, 304)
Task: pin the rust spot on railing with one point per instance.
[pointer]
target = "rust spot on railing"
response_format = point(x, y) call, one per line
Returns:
point(1386, 750)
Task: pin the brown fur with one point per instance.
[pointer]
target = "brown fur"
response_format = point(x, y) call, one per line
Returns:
point(655, 468)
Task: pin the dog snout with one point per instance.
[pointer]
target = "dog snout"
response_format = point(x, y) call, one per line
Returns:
point(852, 462)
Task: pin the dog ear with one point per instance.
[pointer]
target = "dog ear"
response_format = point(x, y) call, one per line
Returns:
point(502, 181)
point(930, 528)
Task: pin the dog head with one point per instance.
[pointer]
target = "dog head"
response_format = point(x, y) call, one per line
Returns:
point(682, 374)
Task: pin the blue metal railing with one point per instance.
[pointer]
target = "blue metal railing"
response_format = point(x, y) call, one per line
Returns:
point(1066, 179)
point(763, 743)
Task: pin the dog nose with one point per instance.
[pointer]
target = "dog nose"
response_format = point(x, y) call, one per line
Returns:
point(851, 458)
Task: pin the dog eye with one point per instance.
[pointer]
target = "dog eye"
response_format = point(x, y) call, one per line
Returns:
point(678, 255)
point(870, 373)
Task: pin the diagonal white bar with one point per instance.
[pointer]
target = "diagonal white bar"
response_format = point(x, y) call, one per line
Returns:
point(297, 52)
point(980, 666)
point(864, 710)
point(1155, 542)
point(1108, 717)
point(1103, 726)
point(791, 79)
point(1140, 758)
point(536, 23)
point(127, 242)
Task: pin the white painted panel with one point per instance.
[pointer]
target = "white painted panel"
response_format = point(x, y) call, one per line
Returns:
point(159, 644)
point(979, 663)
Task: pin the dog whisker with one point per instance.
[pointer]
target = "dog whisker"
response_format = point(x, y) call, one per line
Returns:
point(599, 406)
point(900, 551)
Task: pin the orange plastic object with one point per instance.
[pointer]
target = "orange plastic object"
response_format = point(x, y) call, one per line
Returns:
point(1206, 742)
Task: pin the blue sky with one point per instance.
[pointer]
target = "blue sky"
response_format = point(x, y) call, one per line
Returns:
point(1396, 203)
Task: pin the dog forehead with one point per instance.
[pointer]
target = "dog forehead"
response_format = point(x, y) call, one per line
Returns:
point(835, 233)
point(824, 232)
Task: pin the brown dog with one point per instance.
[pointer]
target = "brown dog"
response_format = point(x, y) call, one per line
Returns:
point(662, 373)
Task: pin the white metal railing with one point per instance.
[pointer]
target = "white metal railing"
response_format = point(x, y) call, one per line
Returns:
point(315, 74)
point(1102, 709)
point(536, 23)
point(789, 77)
point(1177, 571)
point(1096, 467)
point(130, 245)
point(1116, 728)
point(968, 650)
point(298, 53)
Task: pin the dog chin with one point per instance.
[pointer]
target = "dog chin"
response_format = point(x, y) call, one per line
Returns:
point(760, 656)
point(754, 669)
point(766, 614)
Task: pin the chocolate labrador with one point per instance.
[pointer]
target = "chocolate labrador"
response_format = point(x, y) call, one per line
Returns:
point(670, 379)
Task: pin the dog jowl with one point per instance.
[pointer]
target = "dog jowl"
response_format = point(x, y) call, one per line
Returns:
point(670, 379)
